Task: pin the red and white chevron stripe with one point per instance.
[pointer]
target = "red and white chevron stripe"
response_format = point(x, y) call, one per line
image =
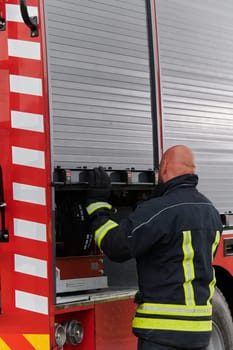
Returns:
point(25, 294)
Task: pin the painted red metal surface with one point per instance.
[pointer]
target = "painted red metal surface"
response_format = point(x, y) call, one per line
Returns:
point(113, 325)
point(226, 262)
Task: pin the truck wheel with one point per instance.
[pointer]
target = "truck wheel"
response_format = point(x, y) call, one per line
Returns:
point(222, 332)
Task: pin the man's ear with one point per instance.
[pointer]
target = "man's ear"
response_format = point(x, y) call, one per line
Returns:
point(165, 163)
point(163, 170)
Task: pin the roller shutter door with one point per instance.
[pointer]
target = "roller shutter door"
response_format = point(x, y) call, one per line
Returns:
point(195, 57)
point(99, 83)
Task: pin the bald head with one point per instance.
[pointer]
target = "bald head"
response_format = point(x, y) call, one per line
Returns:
point(177, 160)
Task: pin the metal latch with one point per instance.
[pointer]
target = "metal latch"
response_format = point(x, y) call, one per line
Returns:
point(2, 17)
point(31, 22)
point(2, 24)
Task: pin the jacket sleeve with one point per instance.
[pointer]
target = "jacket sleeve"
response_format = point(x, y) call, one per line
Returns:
point(133, 237)
point(109, 236)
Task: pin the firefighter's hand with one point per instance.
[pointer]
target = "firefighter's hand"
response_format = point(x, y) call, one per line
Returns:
point(99, 185)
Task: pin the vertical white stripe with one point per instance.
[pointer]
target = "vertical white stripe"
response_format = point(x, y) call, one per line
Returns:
point(27, 121)
point(31, 302)
point(28, 193)
point(30, 229)
point(24, 49)
point(30, 266)
point(13, 12)
point(25, 85)
point(28, 157)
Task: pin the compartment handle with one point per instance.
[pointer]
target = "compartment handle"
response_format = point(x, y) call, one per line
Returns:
point(31, 22)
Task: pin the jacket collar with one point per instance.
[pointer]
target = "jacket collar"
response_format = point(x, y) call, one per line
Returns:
point(187, 180)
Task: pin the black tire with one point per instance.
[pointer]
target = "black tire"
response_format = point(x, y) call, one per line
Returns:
point(222, 332)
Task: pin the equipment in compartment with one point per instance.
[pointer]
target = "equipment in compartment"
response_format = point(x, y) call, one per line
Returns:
point(79, 263)
point(72, 236)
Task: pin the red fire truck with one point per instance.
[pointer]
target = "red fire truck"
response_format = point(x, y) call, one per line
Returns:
point(85, 83)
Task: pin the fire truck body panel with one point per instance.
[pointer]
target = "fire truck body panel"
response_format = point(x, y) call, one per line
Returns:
point(26, 261)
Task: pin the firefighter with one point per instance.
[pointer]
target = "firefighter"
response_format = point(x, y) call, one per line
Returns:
point(173, 236)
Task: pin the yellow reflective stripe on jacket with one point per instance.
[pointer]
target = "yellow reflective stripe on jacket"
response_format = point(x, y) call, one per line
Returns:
point(213, 282)
point(101, 232)
point(174, 310)
point(211, 288)
point(216, 243)
point(188, 268)
point(173, 325)
point(91, 208)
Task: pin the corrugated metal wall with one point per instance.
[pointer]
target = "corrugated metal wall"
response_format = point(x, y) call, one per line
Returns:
point(99, 80)
point(196, 61)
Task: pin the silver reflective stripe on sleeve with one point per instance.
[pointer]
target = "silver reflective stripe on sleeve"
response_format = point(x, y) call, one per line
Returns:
point(172, 325)
point(175, 310)
point(185, 318)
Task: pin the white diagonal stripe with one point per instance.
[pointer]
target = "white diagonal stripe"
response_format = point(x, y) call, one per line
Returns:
point(31, 302)
point(24, 49)
point(28, 157)
point(28, 193)
point(30, 266)
point(27, 121)
point(30, 229)
point(25, 85)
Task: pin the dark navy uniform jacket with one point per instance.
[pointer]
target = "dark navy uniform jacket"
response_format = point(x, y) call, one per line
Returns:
point(173, 237)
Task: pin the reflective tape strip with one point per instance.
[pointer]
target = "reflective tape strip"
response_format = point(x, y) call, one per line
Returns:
point(3, 345)
point(20, 341)
point(38, 341)
point(28, 193)
point(216, 243)
point(175, 310)
point(211, 288)
point(173, 325)
point(25, 85)
point(213, 282)
point(13, 12)
point(27, 121)
point(101, 232)
point(188, 268)
point(30, 266)
point(31, 302)
point(91, 208)
point(30, 229)
point(28, 157)
point(24, 49)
